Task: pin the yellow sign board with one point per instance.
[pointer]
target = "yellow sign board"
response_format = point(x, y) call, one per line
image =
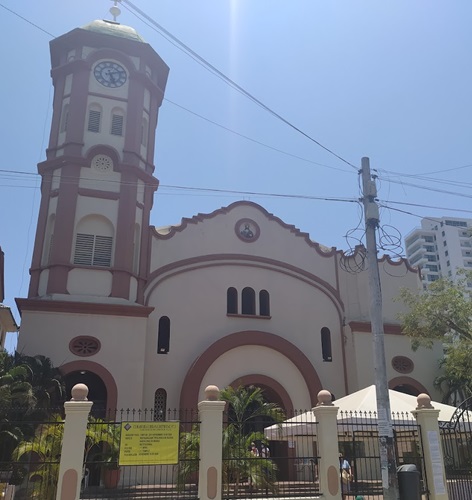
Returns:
point(149, 443)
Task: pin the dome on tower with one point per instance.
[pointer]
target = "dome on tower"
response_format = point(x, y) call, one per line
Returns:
point(114, 29)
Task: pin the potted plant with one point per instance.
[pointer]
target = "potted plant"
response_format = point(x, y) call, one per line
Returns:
point(110, 455)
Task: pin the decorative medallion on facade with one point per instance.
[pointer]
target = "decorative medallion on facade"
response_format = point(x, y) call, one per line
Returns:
point(247, 230)
point(102, 164)
point(84, 346)
point(402, 364)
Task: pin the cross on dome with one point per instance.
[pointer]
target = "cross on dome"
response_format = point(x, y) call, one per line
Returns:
point(115, 11)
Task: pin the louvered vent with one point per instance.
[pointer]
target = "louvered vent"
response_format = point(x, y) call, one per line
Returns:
point(93, 250)
point(83, 249)
point(94, 121)
point(117, 125)
point(102, 251)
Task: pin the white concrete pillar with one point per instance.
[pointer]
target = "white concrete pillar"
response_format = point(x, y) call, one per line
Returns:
point(211, 445)
point(73, 444)
point(427, 418)
point(327, 434)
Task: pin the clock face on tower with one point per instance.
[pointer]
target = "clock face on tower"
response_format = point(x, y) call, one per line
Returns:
point(110, 74)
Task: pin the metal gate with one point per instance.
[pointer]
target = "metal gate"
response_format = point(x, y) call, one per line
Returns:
point(104, 478)
point(359, 444)
point(456, 438)
point(30, 450)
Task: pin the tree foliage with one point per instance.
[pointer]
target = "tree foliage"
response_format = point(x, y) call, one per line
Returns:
point(29, 387)
point(444, 312)
point(247, 414)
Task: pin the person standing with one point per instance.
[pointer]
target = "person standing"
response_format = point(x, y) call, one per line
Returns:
point(265, 452)
point(346, 476)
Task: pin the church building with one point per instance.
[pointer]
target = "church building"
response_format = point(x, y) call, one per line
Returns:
point(148, 317)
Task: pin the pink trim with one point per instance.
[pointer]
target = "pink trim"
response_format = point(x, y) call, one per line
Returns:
point(238, 232)
point(40, 235)
point(250, 316)
point(193, 379)
point(88, 338)
point(64, 226)
point(365, 327)
point(182, 266)
point(95, 193)
point(283, 398)
point(123, 261)
point(100, 371)
point(69, 486)
point(224, 210)
point(407, 381)
point(83, 308)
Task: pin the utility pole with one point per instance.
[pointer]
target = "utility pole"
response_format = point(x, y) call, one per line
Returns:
point(384, 416)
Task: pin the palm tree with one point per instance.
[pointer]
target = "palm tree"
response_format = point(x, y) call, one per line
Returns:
point(248, 413)
point(40, 455)
point(46, 380)
point(16, 401)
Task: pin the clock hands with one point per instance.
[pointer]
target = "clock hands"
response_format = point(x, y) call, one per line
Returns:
point(112, 76)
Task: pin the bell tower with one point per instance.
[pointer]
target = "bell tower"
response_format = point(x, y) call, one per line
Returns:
point(97, 180)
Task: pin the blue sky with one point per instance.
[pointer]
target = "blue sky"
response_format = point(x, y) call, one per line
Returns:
point(390, 80)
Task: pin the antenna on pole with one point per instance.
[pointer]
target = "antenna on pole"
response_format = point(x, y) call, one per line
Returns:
point(115, 11)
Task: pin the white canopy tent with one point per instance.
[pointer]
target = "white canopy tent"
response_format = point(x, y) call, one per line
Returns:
point(360, 406)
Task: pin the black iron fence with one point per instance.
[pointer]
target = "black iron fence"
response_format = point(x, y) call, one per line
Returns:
point(262, 458)
point(456, 437)
point(105, 477)
point(359, 444)
point(30, 449)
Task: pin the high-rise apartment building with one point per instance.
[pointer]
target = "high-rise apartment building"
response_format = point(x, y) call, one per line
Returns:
point(440, 247)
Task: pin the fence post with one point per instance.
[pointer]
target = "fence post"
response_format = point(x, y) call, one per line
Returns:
point(73, 444)
point(427, 418)
point(327, 434)
point(211, 445)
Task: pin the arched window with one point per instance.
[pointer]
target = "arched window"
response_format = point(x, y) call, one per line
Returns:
point(117, 121)
point(160, 405)
point(144, 132)
point(232, 301)
point(64, 117)
point(94, 241)
point(248, 301)
point(264, 303)
point(163, 335)
point(46, 258)
point(94, 118)
point(326, 344)
point(137, 238)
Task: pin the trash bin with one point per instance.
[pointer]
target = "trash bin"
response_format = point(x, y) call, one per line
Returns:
point(409, 482)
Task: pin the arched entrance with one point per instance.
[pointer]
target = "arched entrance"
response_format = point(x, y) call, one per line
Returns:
point(97, 390)
point(102, 386)
point(273, 392)
point(407, 385)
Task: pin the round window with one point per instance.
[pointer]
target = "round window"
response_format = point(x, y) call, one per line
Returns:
point(102, 164)
point(402, 364)
point(84, 346)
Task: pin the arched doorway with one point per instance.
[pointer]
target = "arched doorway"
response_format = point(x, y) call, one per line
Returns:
point(100, 382)
point(278, 450)
point(406, 389)
point(97, 390)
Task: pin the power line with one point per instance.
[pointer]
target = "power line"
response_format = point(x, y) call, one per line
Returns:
point(202, 61)
point(198, 115)
point(418, 186)
point(28, 21)
point(254, 140)
point(429, 173)
point(382, 203)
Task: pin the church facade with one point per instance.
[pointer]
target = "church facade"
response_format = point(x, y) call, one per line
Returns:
point(148, 317)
